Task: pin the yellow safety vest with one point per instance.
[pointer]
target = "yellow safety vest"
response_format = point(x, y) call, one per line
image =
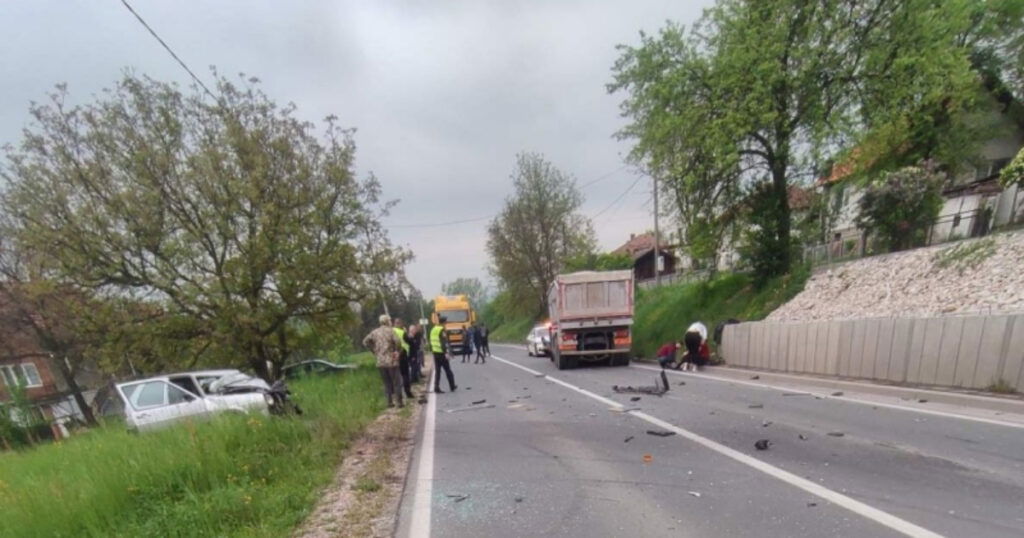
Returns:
point(401, 338)
point(435, 339)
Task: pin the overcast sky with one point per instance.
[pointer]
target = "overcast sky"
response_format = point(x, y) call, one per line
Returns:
point(443, 94)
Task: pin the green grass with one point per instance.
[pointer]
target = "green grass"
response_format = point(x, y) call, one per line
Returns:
point(965, 255)
point(241, 475)
point(663, 314)
point(513, 330)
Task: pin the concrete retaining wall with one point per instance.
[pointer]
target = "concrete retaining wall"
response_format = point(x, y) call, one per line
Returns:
point(956, 351)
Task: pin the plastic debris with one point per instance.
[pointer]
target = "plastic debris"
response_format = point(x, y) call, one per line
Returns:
point(755, 377)
point(762, 444)
point(922, 401)
point(802, 437)
point(478, 402)
point(628, 439)
point(657, 389)
point(837, 393)
point(648, 458)
point(694, 493)
point(660, 433)
point(681, 383)
point(470, 408)
point(766, 423)
point(635, 399)
point(812, 505)
point(458, 497)
point(756, 406)
point(519, 499)
point(836, 434)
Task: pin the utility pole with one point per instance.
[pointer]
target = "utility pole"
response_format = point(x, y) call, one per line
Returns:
point(657, 254)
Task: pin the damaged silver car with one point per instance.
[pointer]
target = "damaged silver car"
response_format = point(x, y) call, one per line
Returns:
point(160, 401)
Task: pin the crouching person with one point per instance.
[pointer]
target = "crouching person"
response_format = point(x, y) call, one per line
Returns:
point(667, 354)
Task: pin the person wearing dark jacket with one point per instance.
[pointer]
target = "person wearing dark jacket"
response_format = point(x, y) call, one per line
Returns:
point(478, 343)
point(414, 340)
point(485, 335)
point(403, 357)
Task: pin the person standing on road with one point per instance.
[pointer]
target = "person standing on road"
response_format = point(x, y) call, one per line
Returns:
point(478, 343)
point(403, 358)
point(414, 340)
point(384, 344)
point(667, 354)
point(439, 347)
point(694, 340)
point(467, 343)
point(485, 335)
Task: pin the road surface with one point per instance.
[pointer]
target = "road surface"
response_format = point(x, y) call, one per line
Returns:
point(558, 453)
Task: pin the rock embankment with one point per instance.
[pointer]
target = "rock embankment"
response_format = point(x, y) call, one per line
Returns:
point(973, 276)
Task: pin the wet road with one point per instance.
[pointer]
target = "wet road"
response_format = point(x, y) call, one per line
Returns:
point(558, 453)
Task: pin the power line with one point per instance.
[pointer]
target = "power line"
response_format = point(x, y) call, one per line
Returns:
point(605, 176)
point(168, 49)
point(621, 196)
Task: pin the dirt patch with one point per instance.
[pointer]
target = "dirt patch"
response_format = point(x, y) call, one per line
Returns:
point(363, 498)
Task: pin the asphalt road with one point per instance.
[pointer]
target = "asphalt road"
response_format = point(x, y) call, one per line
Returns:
point(558, 453)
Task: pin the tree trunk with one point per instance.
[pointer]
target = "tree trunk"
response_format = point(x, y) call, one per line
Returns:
point(76, 392)
point(783, 224)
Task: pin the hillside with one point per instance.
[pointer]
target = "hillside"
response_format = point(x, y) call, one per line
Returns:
point(972, 276)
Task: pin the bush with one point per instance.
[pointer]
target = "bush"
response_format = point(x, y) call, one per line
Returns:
point(902, 206)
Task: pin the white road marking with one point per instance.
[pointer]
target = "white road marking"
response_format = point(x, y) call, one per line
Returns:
point(849, 399)
point(853, 505)
point(419, 526)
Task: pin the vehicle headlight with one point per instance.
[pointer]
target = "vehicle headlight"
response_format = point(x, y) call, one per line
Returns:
point(269, 399)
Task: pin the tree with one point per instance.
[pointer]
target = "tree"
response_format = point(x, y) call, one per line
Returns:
point(469, 286)
point(902, 206)
point(763, 89)
point(1013, 174)
point(537, 231)
point(605, 261)
point(231, 213)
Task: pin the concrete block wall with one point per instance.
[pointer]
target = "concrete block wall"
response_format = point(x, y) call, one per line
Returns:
point(954, 351)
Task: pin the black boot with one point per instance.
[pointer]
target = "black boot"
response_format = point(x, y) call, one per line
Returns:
point(438, 390)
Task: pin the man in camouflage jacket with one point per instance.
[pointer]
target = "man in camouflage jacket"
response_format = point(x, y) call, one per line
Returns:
point(384, 344)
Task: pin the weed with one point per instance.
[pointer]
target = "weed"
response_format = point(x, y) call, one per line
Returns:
point(367, 484)
point(965, 255)
point(1001, 386)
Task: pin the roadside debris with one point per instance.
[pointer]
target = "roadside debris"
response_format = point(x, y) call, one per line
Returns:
point(628, 439)
point(802, 437)
point(837, 393)
point(796, 393)
point(922, 401)
point(539, 375)
point(635, 399)
point(458, 497)
point(519, 499)
point(660, 433)
point(648, 458)
point(657, 389)
point(836, 434)
point(694, 493)
point(766, 423)
point(762, 444)
point(755, 377)
point(756, 406)
point(811, 505)
point(478, 402)
point(470, 408)
point(681, 383)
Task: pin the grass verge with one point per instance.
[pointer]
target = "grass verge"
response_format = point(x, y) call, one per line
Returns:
point(241, 475)
point(663, 314)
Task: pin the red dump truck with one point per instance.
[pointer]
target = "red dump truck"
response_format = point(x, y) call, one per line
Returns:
point(591, 318)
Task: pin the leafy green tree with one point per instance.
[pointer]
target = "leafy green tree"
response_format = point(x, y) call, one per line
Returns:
point(232, 213)
point(469, 286)
point(604, 261)
point(763, 89)
point(538, 229)
point(1013, 174)
point(765, 251)
point(901, 207)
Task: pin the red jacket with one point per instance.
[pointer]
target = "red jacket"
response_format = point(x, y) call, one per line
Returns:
point(667, 349)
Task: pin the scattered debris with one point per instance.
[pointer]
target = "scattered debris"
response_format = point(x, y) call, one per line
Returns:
point(422, 400)
point(756, 406)
point(519, 499)
point(458, 497)
point(591, 414)
point(837, 393)
point(523, 397)
point(755, 377)
point(766, 423)
point(657, 389)
point(478, 402)
point(469, 388)
point(539, 375)
point(711, 413)
point(762, 444)
point(836, 434)
point(470, 408)
point(512, 401)
point(796, 393)
point(648, 458)
point(802, 437)
point(660, 433)
point(635, 399)
point(922, 401)
point(812, 505)
point(516, 406)
point(694, 493)
point(681, 383)
point(628, 439)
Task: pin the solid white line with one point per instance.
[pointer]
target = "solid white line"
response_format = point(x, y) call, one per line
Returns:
point(419, 526)
point(849, 399)
point(853, 505)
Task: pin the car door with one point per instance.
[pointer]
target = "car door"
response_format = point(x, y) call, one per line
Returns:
point(156, 403)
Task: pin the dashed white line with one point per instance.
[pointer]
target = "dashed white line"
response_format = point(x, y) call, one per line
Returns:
point(862, 509)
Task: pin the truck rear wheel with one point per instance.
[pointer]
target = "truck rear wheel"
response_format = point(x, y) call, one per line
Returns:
point(564, 363)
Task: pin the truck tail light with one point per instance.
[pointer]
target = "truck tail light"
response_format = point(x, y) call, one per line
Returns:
point(623, 338)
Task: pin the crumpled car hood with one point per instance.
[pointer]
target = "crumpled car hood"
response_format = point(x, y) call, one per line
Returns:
point(239, 382)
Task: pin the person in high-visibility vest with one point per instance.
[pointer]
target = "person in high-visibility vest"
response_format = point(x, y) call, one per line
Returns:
point(439, 347)
point(403, 357)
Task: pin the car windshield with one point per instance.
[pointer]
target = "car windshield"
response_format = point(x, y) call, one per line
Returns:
point(455, 316)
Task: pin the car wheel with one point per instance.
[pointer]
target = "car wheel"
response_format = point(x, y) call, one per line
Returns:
point(529, 350)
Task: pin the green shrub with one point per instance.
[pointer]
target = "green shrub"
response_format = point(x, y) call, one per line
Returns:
point(237, 475)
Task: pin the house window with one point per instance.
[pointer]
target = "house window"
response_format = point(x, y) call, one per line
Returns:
point(24, 374)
